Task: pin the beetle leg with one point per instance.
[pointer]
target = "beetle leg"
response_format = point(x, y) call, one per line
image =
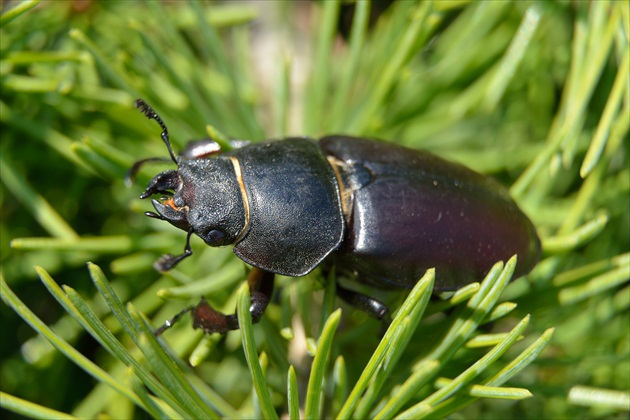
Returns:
point(168, 261)
point(367, 304)
point(260, 289)
point(168, 324)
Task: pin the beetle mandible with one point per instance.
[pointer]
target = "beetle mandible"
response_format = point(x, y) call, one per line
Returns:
point(382, 214)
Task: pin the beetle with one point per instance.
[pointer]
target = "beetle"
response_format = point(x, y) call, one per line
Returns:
point(382, 214)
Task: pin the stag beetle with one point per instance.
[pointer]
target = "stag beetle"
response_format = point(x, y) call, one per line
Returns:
point(381, 214)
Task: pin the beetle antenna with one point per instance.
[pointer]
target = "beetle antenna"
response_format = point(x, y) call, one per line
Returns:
point(152, 115)
point(130, 178)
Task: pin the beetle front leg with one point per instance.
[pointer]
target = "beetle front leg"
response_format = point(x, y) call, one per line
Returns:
point(365, 303)
point(168, 261)
point(260, 290)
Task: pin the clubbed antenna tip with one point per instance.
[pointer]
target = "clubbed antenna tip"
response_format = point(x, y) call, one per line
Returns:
point(152, 115)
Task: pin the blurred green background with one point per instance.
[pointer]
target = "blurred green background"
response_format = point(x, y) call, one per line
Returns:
point(533, 93)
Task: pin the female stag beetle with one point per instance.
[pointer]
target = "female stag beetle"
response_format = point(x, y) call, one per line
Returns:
point(382, 214)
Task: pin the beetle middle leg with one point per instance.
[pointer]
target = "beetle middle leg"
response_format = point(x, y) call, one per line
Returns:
point(260, 290)
point(211, 321)
point(365, 303)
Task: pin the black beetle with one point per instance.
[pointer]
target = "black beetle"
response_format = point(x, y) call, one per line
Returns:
point(382, 214)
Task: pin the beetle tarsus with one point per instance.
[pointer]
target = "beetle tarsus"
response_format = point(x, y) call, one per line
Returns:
point(168, 324)
point(168, 261)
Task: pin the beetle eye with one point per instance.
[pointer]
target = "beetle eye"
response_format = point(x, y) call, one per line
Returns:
point(214, 236)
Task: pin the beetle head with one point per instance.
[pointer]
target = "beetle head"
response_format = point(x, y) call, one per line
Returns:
point(204, 196)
